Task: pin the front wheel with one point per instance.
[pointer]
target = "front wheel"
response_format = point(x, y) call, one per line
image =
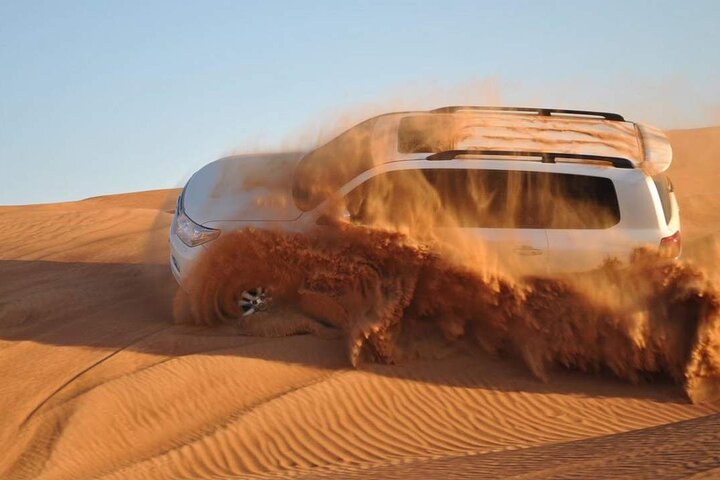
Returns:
point(253, 301)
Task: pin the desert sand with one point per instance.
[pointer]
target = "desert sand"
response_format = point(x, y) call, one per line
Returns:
point(99, 382)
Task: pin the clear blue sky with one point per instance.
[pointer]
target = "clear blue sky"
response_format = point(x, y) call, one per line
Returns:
point(111, 96)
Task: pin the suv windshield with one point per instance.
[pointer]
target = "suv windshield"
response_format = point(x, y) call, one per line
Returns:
point(321, 173)
point(486, 199)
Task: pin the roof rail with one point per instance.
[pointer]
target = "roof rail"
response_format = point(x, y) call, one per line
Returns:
point(546, 157)
point(545, 112)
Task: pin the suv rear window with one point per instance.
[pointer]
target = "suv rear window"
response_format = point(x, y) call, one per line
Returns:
point(487, 199)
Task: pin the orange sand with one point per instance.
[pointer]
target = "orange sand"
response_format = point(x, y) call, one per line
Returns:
point(97, 382)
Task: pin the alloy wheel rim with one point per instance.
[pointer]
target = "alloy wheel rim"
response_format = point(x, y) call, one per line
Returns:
point(253, 301)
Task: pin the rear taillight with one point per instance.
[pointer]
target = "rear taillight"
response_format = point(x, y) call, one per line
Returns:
point(671, 246)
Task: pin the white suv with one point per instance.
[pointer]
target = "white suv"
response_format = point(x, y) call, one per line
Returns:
point(552, 190)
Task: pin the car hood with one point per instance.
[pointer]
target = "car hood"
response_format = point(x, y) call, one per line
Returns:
point(254, 187)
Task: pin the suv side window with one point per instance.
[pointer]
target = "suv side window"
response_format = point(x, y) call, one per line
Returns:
point(474, 198)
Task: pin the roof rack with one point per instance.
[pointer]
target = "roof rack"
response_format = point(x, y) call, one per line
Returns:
point(546, 157)
point(545, 112)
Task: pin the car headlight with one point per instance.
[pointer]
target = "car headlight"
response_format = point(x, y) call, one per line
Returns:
point(188, 231)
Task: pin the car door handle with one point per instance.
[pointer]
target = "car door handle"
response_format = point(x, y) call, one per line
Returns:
point(527, 250)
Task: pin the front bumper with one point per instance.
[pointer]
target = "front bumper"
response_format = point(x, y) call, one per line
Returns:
point(182, 257)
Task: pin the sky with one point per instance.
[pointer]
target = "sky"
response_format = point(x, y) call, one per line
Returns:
point(100, 97)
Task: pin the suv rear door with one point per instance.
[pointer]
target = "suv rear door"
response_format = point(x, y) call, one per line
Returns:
point(580, 226)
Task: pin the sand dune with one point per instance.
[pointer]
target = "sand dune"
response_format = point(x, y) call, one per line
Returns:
point(99, 383)
point(696, 175)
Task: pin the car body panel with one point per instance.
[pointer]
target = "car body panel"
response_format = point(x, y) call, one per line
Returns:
point(519, 250)
point(257, 190)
